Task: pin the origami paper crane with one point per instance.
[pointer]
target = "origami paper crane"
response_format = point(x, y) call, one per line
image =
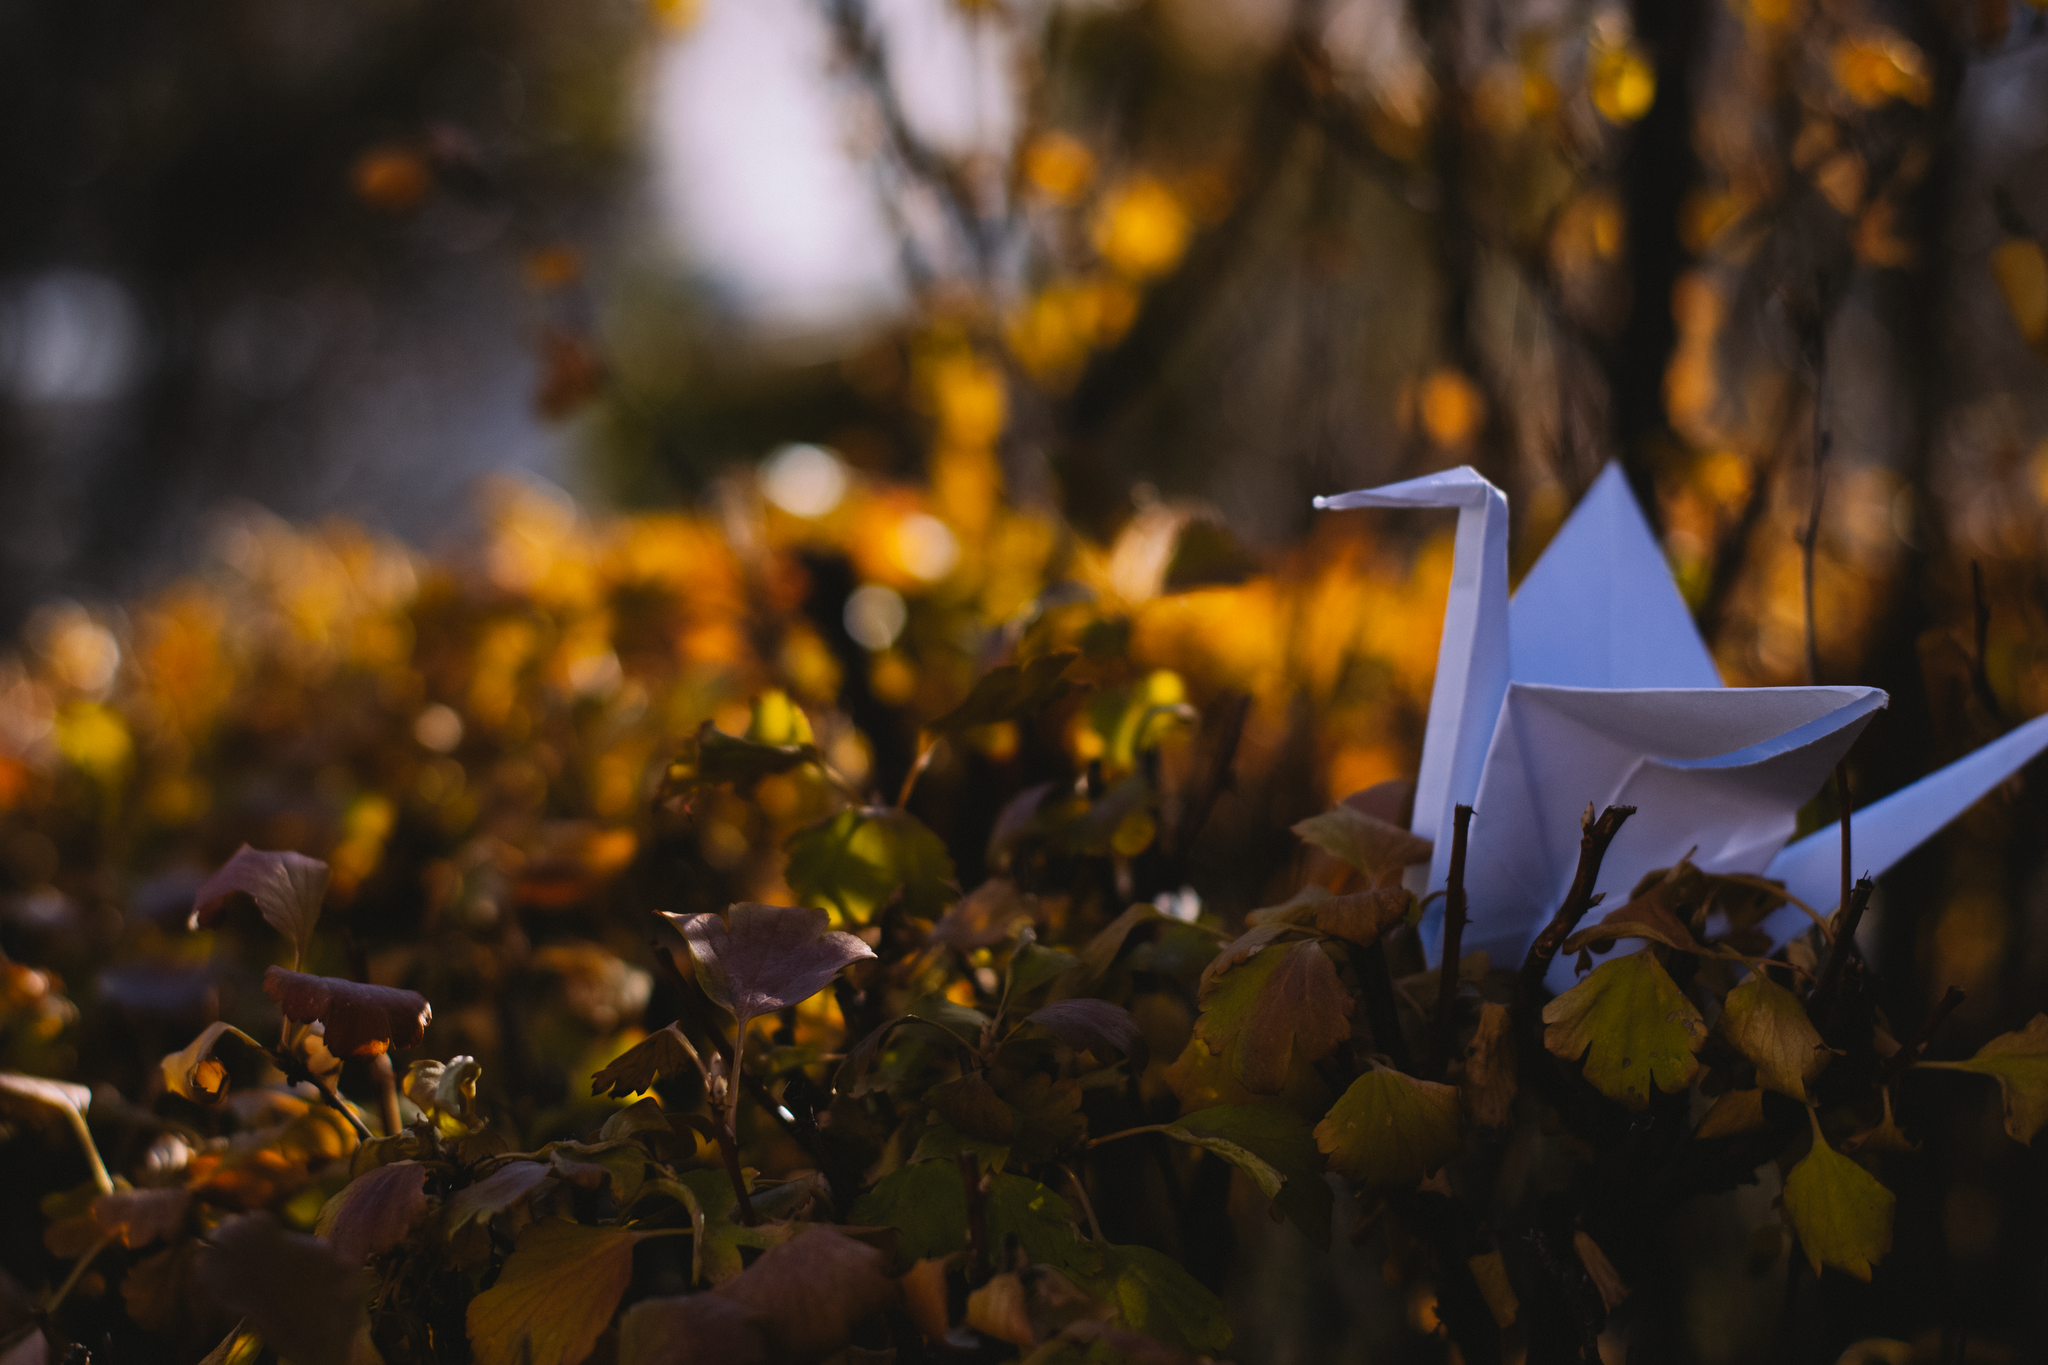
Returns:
point(1593, 686)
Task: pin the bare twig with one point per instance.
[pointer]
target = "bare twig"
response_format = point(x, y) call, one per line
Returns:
point(1598, 834)
point(1853, 906)
point(387, 1093)
point(1454, 926)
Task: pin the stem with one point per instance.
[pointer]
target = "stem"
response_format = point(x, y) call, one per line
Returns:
point(1746, 879)
point(100, 1179)
point(1382, 1011)
point(1094, 1228)
point(387, 1094)
point(729, 1148)
point(927, 748)
point(1845, 943)
point(1592, 851)
point(340, 1106)
point(1910, 1052)
point(1842, 799)
point(78, 1271)
point(1454, 926)
point(977, 1219)
point(1127, 1132)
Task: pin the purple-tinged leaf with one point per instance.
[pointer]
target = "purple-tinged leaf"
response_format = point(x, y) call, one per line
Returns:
point(1094, 1026)
point(755, 959)
point(287, 887)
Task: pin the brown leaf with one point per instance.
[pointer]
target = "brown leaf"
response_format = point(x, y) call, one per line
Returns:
point(997, 1310)
point(986, 916)
point(374, 1212)
point(923, 1287)
point(1735, 1113)
point(1488, 1075)
point(1613, 1290)
point(557, 1292)
point(1094, 1026)
point(197, 1074)
point(692, 1329)
point(361, 1020)
point(287, 888)
point(1647, 916)
point(498, 1192)
point(755, 959)
point(664, 1052)
point(140, 1217)
point(812, 1291)
point(971, 1105)
point(1285, 1001)
point(301, 1296)
point(1374, 846)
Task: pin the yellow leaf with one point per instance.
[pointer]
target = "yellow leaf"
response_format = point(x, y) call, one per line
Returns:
point(1879, 67)
point(1639, 1027)
point(1389, 1131)
point(2021, 269)
point(1623, 84)
point(1842, 1215)
point(556, 1294)
point(2019, 1061)
point(1143, 230)
point(1768, 1024)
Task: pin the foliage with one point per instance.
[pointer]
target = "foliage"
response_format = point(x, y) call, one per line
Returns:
point(935, 1024)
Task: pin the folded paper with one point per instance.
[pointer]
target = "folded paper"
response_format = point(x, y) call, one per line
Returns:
point(1593, 687)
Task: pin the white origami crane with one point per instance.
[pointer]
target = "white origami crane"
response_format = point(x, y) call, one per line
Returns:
point(1593, 685)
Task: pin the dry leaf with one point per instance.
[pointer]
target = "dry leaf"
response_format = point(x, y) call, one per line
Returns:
point(288, 889)
point(997, 1310)
point(361, 1020)
point(555, 1295)
point(1735, 1113)
point(664, 1052)
point(1770, 1026)
point(1487, 1077)
point(1370, 844)
point(813, 1290)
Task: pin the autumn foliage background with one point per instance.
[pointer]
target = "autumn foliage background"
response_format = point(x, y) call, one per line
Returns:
point(306, 319)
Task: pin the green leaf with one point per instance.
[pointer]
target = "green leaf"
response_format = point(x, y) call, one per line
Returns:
point(1389, 1131)
point(1011, 692)
point(1639, 1027)
point(1041, 1223)
point(2019, 1062)
point(927, 1205)
point(557, 1292)
point(714, 757)
point(943, 1142)
point(1276, 1148)
point(1034, 965)
point(288, 889)
point(1368, 843)
point(1154, 1294)
point(1284, 1002)
point(715, 1251)
point(857, 860)
point(1770, 1026)
point(756, 959)
point(1842, 1215)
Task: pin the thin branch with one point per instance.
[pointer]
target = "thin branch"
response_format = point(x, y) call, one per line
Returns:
point(1598, 834)
point(1094, 1227)
point(1845, 943)
point(1454, 926)
point(1909, 1052)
